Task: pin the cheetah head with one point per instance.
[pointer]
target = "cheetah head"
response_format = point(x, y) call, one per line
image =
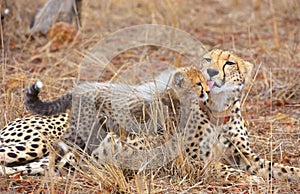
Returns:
point(190, 82)
point(226, 75)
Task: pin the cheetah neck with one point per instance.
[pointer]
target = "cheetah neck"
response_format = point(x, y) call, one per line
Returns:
point(219, 105)
point(216, 117)
point(220, 102)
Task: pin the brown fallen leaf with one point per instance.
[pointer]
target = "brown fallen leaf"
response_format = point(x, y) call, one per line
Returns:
point(14, 82)
point(61, 34)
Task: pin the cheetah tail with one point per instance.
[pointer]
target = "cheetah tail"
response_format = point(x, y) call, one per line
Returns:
point(34, 104)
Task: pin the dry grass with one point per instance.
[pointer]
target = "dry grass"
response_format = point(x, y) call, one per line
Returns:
point(263, 32)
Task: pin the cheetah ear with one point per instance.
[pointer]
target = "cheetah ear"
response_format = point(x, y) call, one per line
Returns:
point(178, 79)
point(246, 70)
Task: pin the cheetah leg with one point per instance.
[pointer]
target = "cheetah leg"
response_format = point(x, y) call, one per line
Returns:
point(112, 151)
point(84, 121)
point(107, 149)
point(32, 168)
point(146, 152)
point(15, 152)
point(268, 169)
point(40, 165)
point(226, 173)
point(245, 158)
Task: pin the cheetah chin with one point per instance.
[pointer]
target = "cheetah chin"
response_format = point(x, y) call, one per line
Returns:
point(221, 94)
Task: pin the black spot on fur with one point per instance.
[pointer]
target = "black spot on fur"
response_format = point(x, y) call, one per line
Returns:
point(35, 145)
point(115, 147)
point(104, 152)
point(32, 154)
point(207, 154)
point(20, 148)
point(261, 165)
point(21, 159)
point(44, 150)
point(36, 139)
point(292, 169)
point(26, 127)
point(283, 170)
point(248, 167)
point(12, 155)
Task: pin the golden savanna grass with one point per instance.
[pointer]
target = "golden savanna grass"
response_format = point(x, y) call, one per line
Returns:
point(265, 33)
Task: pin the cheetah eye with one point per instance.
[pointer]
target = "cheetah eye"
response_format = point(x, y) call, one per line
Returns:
point(230, 63)
point(199, 84)
point(208, 60)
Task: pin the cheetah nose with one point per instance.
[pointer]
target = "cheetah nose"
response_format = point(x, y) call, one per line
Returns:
point(212, 72)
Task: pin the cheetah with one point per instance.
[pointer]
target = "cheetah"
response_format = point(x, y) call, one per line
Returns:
point(227, 74)
point(36, 130)
point(27, 141)
point(121, 106)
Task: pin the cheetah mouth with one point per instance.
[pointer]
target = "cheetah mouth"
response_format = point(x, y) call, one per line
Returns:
point(211, 84)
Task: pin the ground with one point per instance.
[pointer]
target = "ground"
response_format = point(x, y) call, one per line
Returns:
point(264, 32)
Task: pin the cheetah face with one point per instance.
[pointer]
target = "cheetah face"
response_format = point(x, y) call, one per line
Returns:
point(226, 74)
point(190, 81)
